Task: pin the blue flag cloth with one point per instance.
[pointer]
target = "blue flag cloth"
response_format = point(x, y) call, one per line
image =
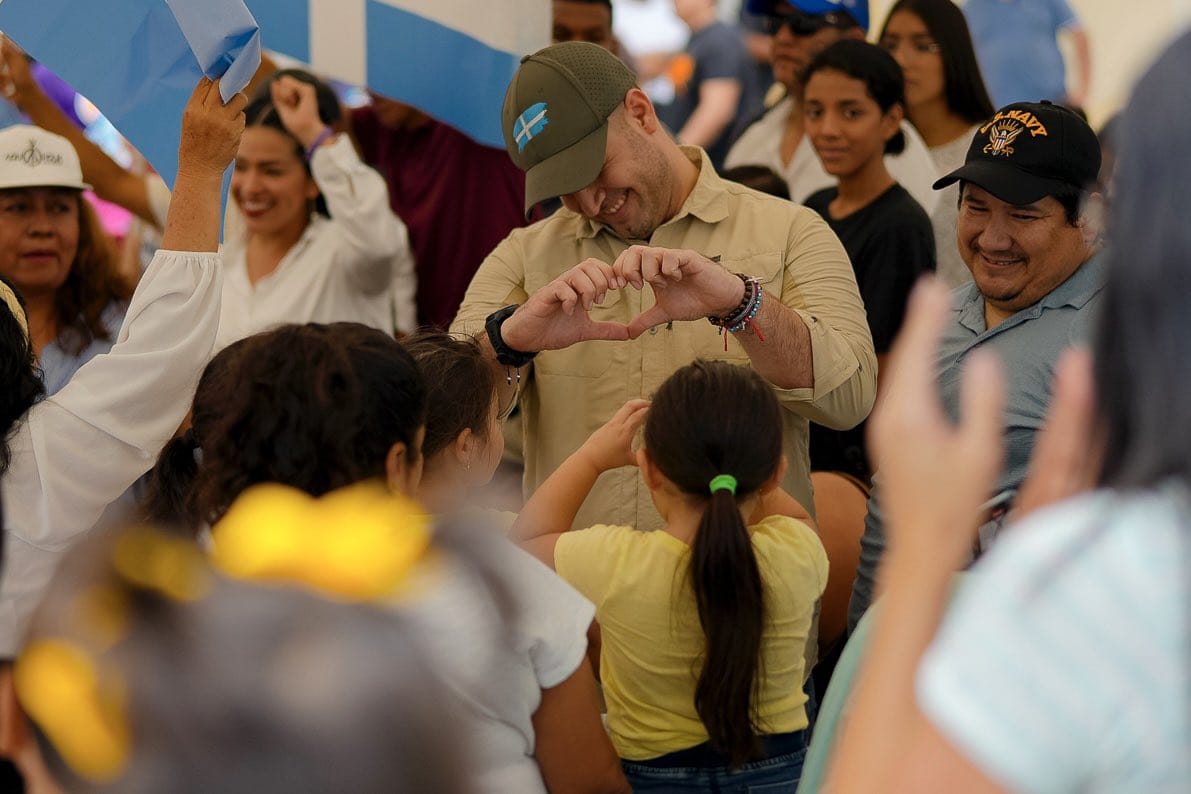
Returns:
point(452, 59)
point(138, 61)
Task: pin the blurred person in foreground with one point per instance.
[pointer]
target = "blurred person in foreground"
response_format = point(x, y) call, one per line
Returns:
point(150, 669)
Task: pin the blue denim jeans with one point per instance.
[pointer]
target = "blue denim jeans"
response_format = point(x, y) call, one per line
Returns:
point(777, 774)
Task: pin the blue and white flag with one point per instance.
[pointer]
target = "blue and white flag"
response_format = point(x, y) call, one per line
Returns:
point(138, 61)
point(452, 59)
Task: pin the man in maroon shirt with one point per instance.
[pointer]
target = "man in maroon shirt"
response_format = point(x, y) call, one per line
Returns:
point(458, 198)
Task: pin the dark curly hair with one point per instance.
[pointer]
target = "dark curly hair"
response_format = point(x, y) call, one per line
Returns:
point(92, 285)
point(167, 502)
point(460, 386)
point(316, 407)
point(19, 374)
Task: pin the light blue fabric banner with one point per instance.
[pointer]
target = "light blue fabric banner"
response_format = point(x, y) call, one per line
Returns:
point(452, 59)
point(139, 60)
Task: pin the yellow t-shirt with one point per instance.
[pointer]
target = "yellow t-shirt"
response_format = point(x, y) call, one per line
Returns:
point(653, 644)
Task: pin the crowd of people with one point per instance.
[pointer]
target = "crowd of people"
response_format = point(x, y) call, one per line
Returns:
point(804, 335)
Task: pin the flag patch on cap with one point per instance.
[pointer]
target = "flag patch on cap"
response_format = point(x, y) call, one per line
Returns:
point(531, 122)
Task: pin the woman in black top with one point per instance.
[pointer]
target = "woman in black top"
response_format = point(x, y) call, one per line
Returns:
point(854, 104)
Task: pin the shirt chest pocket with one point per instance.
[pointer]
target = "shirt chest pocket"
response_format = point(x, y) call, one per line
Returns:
point(705, 340)
point(588, 359)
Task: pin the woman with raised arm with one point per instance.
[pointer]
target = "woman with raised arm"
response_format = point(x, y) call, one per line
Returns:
point(64, 459)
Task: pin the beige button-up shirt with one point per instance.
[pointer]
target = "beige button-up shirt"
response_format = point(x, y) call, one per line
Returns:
point(567, 394)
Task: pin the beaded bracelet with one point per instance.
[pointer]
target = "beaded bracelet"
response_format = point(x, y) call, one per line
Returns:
point(749, 290)
point(743, 315)
point(745, 318)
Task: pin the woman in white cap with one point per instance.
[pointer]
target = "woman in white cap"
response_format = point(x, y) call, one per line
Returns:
point(64, 459)
point(55, 253)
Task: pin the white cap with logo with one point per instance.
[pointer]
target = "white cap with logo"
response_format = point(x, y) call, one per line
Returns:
point(33, 157)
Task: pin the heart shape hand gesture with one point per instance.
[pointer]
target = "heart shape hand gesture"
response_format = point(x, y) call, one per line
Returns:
point(686, 285)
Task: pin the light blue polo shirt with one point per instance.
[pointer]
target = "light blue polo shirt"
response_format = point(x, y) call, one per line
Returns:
point(1029, 344)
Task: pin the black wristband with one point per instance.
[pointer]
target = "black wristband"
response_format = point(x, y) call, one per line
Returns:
point(505, 354)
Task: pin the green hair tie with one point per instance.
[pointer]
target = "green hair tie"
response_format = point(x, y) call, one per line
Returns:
point(723, 482)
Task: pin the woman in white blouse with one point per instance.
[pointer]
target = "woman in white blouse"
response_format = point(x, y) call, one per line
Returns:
point(319, 240)
point(62, 460)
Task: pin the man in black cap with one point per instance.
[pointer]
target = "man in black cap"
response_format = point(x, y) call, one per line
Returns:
point(613, 293)
point(1027, 230)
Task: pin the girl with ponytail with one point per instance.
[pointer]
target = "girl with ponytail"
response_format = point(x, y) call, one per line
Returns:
point(703, 624)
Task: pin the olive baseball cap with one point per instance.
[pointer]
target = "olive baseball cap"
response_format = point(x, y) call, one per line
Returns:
point(555, 117)
point(1030, 150)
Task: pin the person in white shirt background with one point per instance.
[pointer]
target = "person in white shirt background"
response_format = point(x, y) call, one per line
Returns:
point(319, 240)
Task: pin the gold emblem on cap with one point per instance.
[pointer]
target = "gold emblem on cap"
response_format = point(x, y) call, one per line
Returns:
point(1001, 135)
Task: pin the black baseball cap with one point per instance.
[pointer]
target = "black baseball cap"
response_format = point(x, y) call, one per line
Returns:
point(1030, 150)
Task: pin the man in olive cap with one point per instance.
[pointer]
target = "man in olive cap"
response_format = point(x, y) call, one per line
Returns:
point(569, 292)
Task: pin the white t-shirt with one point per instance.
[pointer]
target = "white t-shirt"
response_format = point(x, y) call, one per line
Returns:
point(761, 143)
point(498, 670)
point(950, 268)
point(342, 269)
point(1064, 663)
point(77, 451)
point(648, 27)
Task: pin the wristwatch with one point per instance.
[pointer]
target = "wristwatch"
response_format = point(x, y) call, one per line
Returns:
point(505, 354)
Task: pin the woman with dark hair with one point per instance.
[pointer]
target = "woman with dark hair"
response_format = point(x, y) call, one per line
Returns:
point(1063, 663)
point(704, 622)
point(309, 235)
point(853, 106)
point(316, 407)
point(56, 255)
point(320, 407)
point(945, 99)
point(72, 454)
point(319, 242)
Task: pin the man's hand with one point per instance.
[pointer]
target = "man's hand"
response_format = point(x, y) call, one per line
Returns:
point(686, 285)
point(556, 316)
point(935, 475)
